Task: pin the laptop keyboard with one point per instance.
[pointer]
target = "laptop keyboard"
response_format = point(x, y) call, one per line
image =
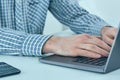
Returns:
point(91, 61)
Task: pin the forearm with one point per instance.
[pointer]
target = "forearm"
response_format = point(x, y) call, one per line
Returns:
point(78, 19)
point(87, 23)
point(12, 41)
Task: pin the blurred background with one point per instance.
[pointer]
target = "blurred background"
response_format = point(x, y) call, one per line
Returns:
point(109, 10)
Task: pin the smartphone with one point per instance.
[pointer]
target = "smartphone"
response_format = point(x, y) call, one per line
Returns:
point(7, 70)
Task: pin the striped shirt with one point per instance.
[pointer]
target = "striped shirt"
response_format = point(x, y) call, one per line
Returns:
point(22, 23)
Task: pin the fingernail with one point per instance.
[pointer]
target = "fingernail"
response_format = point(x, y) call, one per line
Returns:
point(98, 56)
point(107, 53)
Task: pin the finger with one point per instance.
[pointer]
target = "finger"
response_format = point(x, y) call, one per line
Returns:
point(86, 53)
point(112, 33)
point(108, 40)
point(99, 43)
point(99, 37)
point(95, 49)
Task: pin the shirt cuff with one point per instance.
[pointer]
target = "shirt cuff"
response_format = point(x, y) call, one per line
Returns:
point(33, 44)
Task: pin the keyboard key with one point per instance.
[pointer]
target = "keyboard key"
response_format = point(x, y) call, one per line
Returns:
point(91, 61)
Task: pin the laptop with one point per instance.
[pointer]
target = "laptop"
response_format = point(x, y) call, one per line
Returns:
point(101, 65)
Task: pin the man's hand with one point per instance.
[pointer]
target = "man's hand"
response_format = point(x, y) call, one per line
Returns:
point(108, 34)
point(77, 45)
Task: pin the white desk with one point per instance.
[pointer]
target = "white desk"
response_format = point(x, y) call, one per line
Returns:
point(32, 69)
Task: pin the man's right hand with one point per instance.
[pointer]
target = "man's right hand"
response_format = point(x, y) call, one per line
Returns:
point(77, 45)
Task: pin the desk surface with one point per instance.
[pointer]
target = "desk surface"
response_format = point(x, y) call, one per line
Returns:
point(32, 69)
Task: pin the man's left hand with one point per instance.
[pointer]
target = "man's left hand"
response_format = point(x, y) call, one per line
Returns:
point(108, 34)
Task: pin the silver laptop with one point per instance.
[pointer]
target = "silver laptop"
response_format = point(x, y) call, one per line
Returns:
point(101, 65)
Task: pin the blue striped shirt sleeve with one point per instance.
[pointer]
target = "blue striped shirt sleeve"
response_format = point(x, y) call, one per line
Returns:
point(12, 41)
point(78, 19)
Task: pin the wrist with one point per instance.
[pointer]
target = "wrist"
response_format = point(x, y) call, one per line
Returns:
point(50, 46)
